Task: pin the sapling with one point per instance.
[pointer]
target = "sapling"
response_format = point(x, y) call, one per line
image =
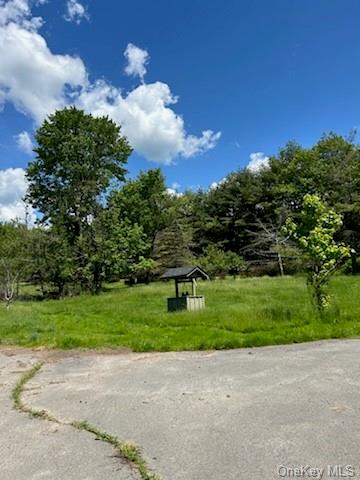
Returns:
point(314, 234)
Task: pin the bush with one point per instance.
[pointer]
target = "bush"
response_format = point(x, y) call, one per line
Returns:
point(217, 262)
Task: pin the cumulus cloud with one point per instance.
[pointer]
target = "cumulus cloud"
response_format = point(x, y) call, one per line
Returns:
point(24, 142)
point(152, 127)
point(31, 77)
point(137, 59)
point(13, 186)
point(195, 145)
point(38, 82)
point(76, 12)
point(19, 11)
point(258, 161)
point(173, 191)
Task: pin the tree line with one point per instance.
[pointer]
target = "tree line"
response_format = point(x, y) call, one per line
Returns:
point(95, 225)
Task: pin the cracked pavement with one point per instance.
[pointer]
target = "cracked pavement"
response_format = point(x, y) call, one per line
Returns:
point(196, 415)
point(32, 449)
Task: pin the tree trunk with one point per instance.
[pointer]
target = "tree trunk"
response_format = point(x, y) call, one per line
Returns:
point(281, 266)
point(353, 264)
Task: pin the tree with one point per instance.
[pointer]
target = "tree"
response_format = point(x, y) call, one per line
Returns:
point(267, 241)
point(228, 216)
point(78, 158)
point(330, 169)
point(314, 234)
point(13, 260)
point(52, 263)
point(143, 201)
point(172, 247)
point(224, 213)
point(125, 246)
point(216, 261)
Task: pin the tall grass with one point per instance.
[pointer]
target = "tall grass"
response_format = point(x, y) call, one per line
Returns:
point(239, 313)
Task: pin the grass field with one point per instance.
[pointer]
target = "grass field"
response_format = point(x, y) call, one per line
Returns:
point(239, 313)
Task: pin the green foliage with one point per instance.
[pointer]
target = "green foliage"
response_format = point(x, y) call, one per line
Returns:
point(228, 216)
point(98, 229)
point(78, 158)
point(172, 247)
point(123, 246)
point(78, 155)
point(314, 236)
point(222, 215)
point(143, 202)
point(52, 263)
point(216, 261)
point(239, 313)
point(14, 260)
point(143, 268)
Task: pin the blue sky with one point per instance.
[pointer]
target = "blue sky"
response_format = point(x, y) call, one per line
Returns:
point(258, 72)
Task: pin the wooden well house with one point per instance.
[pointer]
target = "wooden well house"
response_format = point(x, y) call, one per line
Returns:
point(185, 300)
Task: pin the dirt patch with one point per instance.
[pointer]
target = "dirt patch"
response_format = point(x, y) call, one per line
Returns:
point(54, 355)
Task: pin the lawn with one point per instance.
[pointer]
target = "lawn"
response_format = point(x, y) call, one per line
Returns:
point(240, 313)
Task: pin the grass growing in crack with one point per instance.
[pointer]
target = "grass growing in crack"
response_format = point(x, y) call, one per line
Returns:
point(19, 387)
point(18, 391)
point(127, 450)
point(103, 436)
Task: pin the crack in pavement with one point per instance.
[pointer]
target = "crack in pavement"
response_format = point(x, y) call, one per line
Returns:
point(127, 451)
point(32, 448)
point(197, 417)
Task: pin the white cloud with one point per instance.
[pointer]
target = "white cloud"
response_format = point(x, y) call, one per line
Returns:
point(194, 145)
point(31, 76)
point(215, 185)
point(19, 11)
point(16, 211)
point(13, 186)
point(24, 142)
point(137, 59)
point(258, 161)
point(75, 12)
point(153, 129)
point(38, 82)
point(173, 191)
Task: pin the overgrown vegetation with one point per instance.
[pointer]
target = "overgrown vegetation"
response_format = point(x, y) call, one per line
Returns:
point(95, 225)
point(239, 313)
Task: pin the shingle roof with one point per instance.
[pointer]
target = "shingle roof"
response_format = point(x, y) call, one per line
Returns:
point(185, 273)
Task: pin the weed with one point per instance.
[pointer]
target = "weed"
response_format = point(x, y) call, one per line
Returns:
point(128, 451)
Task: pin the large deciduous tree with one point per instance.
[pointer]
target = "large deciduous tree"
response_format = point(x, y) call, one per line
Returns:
point(78, 156)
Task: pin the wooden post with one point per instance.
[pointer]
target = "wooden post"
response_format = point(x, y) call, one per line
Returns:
point(193, 281)
point(176, 288)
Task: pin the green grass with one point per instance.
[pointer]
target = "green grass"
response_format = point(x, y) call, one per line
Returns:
point(239, 313)
point(127, 450)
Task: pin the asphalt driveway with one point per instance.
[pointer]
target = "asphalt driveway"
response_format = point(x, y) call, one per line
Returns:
point(267, 413)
